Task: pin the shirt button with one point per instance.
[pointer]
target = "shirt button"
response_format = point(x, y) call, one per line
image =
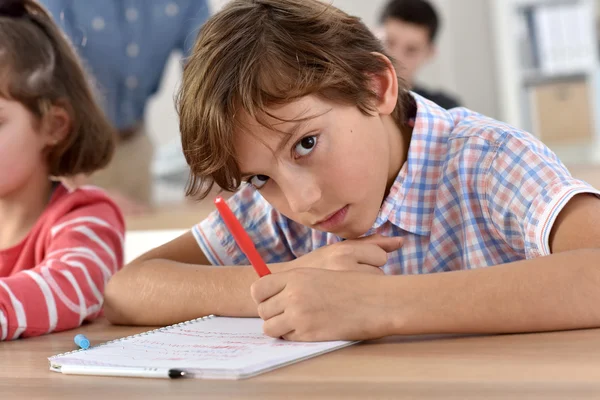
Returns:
point(131, 14)
point(131, 82)
point(172, 9)
point(133, 50)
point(98, 23)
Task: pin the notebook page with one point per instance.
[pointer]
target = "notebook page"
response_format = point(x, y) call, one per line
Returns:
point(212, 347)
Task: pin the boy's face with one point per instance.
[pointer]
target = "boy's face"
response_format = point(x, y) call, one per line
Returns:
point(330, 173)
point(409, 45)
point(21, 147)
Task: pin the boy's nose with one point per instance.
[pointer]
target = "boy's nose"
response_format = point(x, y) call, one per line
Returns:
point(302, 195)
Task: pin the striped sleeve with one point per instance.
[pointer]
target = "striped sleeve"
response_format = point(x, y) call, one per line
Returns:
point(83, 250)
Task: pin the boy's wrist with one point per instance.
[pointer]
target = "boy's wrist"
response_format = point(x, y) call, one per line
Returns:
point(393, 305)
point(280, 267)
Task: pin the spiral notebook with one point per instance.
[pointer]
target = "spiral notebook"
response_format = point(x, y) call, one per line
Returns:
point(208, 348)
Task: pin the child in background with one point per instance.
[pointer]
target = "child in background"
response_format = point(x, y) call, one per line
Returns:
point(410, 31)
point(58, 245)
point(476, 225)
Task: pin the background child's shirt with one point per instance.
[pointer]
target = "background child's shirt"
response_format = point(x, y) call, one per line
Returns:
point(54, 278)
point(126, 44)
point(474, 192)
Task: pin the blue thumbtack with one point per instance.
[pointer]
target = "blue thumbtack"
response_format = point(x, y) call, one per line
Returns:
point(81, 341)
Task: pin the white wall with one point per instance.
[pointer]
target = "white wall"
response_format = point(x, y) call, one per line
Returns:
point(465, 61)
point(467, 54)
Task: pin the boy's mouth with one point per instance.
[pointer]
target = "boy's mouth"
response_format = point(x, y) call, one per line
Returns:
point(333, 220)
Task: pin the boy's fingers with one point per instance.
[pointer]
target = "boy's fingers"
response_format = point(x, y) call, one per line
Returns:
point(277, 326)
point(268, 286)
point(391, 244)
point(271, 307)
point(370, 254)
point(387, 243)
point(370, 269)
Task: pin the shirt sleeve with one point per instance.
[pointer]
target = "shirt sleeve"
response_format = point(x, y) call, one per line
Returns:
point(527, 187)
point(83, 250)
point(277, 238)
point(199, 13)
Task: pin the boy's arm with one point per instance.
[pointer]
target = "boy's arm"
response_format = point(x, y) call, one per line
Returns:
point(175, 282)
point(85, 249)
point(556, 292)
point(201, 272)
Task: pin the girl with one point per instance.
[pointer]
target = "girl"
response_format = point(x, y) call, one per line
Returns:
point(58, 245)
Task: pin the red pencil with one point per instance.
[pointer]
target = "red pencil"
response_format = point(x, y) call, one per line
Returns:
point(241, 237)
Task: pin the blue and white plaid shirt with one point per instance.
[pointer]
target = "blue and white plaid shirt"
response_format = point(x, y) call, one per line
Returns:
point(474, 192)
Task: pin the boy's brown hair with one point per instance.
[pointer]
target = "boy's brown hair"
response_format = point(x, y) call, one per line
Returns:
point(254, 54)
point(39, 68)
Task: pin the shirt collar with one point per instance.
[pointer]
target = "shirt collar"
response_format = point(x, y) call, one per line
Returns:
point(411, 201)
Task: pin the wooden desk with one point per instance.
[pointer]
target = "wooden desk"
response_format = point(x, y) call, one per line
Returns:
point(561, 365)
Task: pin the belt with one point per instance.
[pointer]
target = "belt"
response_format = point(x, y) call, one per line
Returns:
point(129, 133)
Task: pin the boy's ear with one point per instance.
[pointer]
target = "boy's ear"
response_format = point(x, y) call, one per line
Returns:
point(57, 124)
point(385, 85)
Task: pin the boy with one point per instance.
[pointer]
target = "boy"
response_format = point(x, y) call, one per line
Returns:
point(411, 28)
point(295, 103)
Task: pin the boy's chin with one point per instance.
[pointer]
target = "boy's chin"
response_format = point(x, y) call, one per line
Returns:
point(355, 232)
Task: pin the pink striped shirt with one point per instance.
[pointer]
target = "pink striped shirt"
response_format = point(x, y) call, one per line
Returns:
point(54, 278)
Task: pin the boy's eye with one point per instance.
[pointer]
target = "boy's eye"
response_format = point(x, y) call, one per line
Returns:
point(258, 181)
point(306, 145)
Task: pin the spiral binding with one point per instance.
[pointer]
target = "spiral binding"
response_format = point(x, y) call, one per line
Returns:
point(164, 328)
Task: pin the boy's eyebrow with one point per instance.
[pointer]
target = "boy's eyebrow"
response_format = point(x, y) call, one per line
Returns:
point(298, 125)
point(287, 136)
point(285, 139)
point(290, 134)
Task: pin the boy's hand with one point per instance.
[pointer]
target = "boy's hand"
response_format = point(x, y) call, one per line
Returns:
point(318, 305)
point(361, 255)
